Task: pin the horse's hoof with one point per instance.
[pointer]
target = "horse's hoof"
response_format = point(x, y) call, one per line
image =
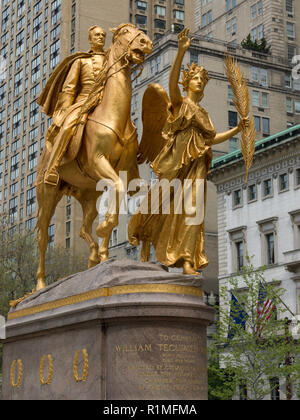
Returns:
point(40, 285)
point(93, 263)
point(103, 257)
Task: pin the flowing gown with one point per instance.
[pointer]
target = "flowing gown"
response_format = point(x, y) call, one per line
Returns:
point(186, 155)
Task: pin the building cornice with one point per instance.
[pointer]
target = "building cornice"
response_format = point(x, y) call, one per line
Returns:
point(228, 171)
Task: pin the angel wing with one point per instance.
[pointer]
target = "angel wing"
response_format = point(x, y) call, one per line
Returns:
point(154, 115)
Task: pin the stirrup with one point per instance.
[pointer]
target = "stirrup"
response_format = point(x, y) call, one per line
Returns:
point(51, 178)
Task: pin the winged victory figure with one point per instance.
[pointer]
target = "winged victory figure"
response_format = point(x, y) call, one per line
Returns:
point(177, 141)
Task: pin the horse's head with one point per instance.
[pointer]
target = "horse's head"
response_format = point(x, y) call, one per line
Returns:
point(133, 41)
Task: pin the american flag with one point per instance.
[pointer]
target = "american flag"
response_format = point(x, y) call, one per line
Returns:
point(265, 308)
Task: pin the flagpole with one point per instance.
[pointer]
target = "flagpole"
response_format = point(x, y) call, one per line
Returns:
point(266, 284)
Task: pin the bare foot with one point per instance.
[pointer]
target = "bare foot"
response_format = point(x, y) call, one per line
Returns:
point(188, 269)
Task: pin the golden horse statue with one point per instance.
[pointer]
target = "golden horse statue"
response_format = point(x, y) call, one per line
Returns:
point(109, 145)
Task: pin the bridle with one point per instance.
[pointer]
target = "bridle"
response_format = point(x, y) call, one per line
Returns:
point(106, 76)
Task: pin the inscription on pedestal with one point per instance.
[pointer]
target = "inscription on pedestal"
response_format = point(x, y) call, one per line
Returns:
point(170, 365)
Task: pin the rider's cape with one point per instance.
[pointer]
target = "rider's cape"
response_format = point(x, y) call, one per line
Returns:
point(49, 97)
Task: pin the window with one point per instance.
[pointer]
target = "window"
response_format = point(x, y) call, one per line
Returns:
point(267, 228)
point(160, 10)
point(31, 179)
point(297, 106)
point(55, 32)
point(141, 19)
point(37, 27)
point(252, 192)
point(68, 211)
point(55, 54)
point(2, 95)
point(230, 94)
point(260, 32)
point(289, 7)
point(34, 113)
point(15, 168)
point(20, 23)
point(20, 42)
point(283, 182)
point(255, 98)
point(295, 217)
point(37, 7)
point(30, 224)
point(178, 14)
point(31, 201)
point(21, 7)
point(5, 18)
point(35, 69)
point(291, 52)
point(68, 243)
point(231, 26)
point(265, 100)
point(142, 5)
point(289, 105)
point(267, 187)
point(114, 238)
point(32, 155)
point(237, 198)
point(259, 75)
point(297, 180)
point(290, 30)
point(270, 248)
point(238, 247)
point(239, 255)
point(13, 210)
point(17, 123)
point(160, 24)
point(207, 18)
point(68, 228)
point(266, 126)
point(288, 80)
point(194, 57)
point(55, 12)
point(35, 90)
point(230, 4)
point(232, 119)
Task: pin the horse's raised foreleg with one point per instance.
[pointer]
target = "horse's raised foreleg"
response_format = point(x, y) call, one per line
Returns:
point(48, 198)
point(89, 210)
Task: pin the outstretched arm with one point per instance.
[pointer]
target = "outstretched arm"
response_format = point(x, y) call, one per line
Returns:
point(221, 137)
point(183, 44)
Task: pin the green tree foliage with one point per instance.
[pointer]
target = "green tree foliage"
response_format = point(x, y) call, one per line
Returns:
point(247, 358)
point(260, 46)
point(18, 266)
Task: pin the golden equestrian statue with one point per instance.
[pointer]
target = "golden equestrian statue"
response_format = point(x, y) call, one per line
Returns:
point(178, 136)
point(92, 136)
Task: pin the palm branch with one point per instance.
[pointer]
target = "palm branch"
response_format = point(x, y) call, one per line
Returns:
point(242, 104)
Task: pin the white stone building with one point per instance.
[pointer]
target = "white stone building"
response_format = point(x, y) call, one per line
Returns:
point(261, 218)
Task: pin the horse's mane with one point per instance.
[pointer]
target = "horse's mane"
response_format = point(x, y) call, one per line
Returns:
point(116, 31)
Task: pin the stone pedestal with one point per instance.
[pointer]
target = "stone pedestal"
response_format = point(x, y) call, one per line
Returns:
point(121, 331)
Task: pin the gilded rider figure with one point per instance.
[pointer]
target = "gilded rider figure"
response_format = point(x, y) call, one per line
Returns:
point(63, 98)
